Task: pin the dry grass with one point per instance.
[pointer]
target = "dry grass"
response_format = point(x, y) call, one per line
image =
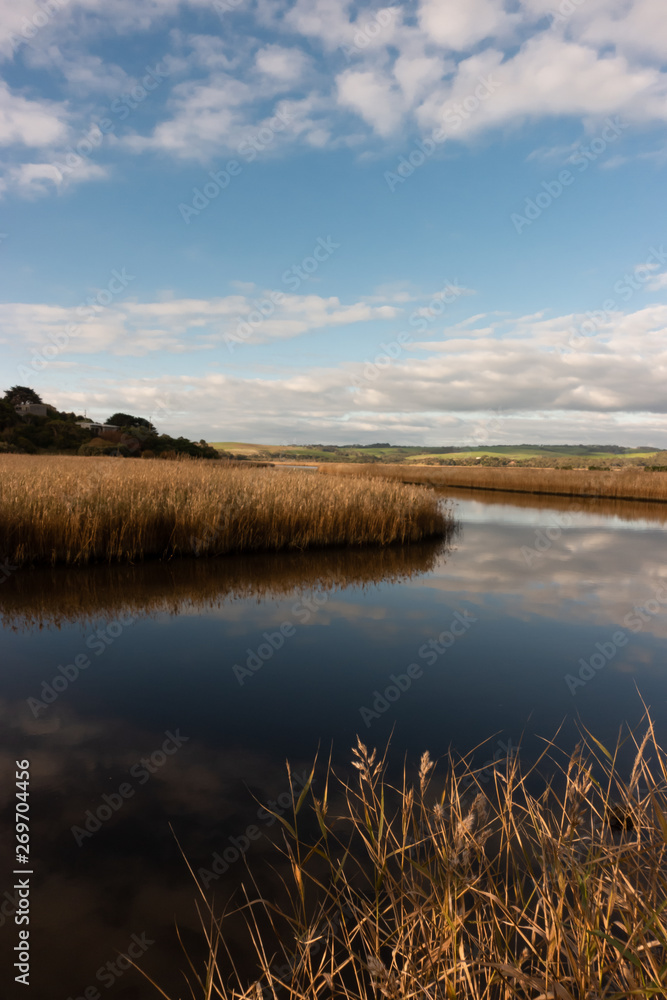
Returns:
point(624, 484)
point(437, 890)
point(80, 510)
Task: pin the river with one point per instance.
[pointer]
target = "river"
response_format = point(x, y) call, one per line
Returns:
point(159, 703)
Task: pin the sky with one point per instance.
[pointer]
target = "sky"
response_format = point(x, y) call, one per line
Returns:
point(439, 222)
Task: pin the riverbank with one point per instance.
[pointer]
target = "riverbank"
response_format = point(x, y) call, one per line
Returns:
point(622, 484)
point(73, 510)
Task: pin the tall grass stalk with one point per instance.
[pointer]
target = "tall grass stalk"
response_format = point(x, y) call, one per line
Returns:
point(80, 510)
point(439, 890)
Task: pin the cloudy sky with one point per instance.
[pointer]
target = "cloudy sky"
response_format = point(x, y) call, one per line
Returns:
point(438, 222)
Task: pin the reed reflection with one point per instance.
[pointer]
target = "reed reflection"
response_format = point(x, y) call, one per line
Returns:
point(53, 596)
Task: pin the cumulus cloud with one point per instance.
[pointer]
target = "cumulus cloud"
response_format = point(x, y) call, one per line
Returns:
point(459, 26)
point(30, 122)
point(388, 71)
point(317, 407)
point(534, 378)
point(127, 327)
point(34, 179)
point(282, 64)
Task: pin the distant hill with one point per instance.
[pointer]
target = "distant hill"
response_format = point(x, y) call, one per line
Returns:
point(553, 456)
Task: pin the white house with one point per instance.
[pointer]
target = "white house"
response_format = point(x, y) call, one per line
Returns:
point(99, 429)
point(32, 409)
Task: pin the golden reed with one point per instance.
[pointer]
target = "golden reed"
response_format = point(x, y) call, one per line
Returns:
point(546, 883)
point(62, 509)
point(624, 484)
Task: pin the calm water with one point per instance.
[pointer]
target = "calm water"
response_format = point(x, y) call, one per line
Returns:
point(202, 678)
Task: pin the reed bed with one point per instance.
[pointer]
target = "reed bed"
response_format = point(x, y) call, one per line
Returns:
point(622, 484)
point(80, 510)
point(437, 890)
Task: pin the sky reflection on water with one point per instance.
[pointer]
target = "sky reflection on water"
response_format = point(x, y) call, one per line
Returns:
point(531, 619)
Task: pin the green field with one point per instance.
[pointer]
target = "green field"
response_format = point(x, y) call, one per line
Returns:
point(578, 456)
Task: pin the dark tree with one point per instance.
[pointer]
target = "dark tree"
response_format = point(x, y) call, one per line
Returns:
point(22, 394)
point(127, 420)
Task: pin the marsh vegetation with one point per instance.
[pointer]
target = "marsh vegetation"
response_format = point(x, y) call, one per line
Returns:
point(61, 509)
point(443, 888)
point(622, 484)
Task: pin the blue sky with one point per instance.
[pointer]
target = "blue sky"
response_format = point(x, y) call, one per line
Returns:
point(432, 223)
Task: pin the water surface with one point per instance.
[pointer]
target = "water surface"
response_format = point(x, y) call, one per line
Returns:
point(237, 664)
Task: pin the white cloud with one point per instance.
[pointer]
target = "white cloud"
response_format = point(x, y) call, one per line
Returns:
point(326, 20)
point(374, 97)
point(459, 26)
point(657, 282)
point(34, 179)
point(609, 387)
point(287, 66)
point(403, 72)
point(180, 325)
point(637, 28)
point(549, 77)
point(35, 123)
point(316, 407)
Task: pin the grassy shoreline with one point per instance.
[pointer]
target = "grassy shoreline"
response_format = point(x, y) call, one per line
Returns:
point(549, 884)
point(83, 510)
point(625, 484)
